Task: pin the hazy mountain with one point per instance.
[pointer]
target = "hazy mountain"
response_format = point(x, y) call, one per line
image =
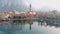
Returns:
point(46, 8)
point(10, 5)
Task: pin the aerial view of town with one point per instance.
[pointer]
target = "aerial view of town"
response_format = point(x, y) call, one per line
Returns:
point(29, 17)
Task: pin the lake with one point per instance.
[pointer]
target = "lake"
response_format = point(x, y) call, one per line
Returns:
point(29, 27)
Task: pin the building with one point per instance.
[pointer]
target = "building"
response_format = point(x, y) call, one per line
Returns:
point(31, 13)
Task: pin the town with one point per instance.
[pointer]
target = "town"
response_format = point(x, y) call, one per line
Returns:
point(29, 14)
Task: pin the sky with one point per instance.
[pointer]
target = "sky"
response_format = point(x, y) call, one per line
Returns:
point(23, 5)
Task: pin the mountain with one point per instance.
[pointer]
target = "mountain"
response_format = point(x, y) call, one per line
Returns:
point(10, 5)
point(46, 8)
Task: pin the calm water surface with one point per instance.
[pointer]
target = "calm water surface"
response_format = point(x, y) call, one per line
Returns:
point(29, 27)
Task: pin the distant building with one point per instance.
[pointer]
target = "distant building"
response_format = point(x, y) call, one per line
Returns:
point(31, 13)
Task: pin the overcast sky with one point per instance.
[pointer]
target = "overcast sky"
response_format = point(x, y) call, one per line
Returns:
point(36, 4)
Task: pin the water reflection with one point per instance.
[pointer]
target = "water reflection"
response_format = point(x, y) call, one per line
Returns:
point(11, 27)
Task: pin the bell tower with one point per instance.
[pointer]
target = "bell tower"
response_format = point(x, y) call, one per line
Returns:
point(30, 8)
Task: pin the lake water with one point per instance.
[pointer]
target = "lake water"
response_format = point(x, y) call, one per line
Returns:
point(29, 27)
